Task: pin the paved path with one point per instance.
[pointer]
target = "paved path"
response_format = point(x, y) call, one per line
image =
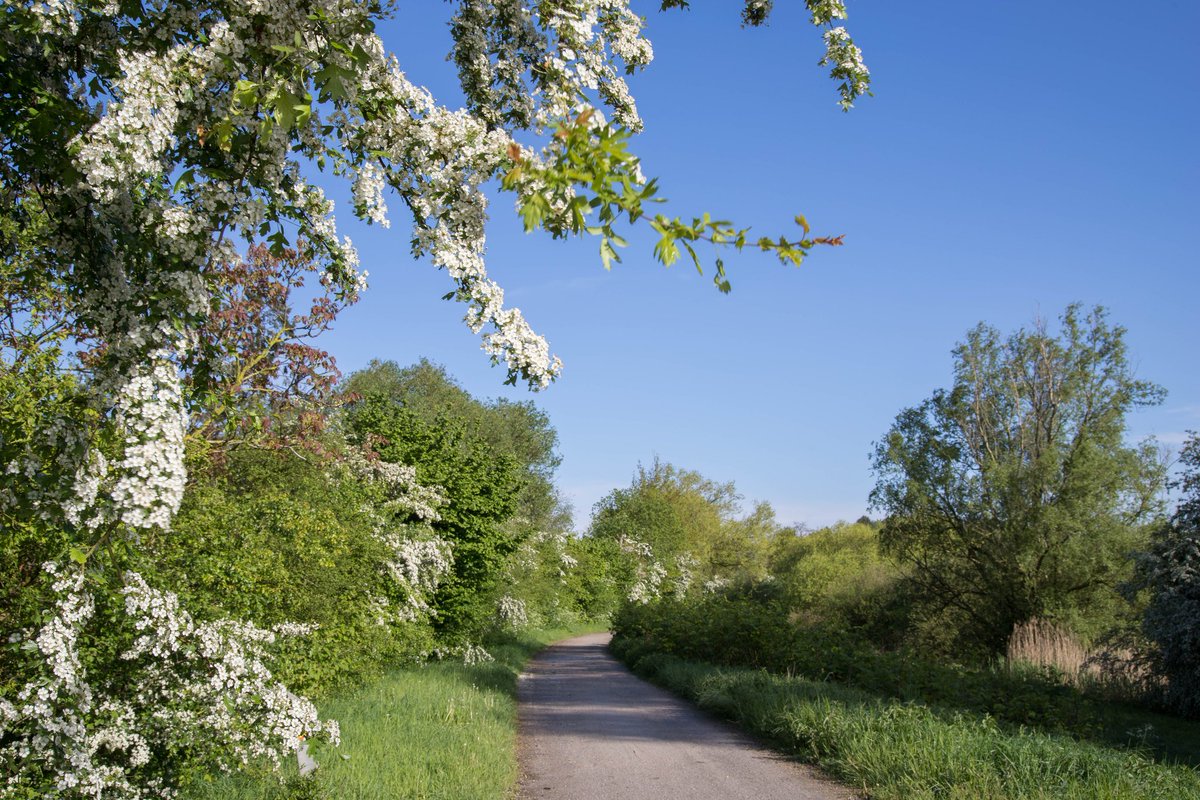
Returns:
point(591, 730)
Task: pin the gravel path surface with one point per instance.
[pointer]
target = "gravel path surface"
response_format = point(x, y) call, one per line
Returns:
point(591, 730)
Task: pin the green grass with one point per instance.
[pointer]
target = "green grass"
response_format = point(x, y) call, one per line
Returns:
point(748, 633)
point(443, 731)
point(893, 750)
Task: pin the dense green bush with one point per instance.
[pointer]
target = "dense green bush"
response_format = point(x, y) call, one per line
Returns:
point(1170, 571)
point(481, 486)
point(273, 537)
point(838, 577)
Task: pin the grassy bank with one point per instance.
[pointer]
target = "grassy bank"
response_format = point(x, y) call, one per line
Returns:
point(440, 731)
point(744, 632)
point(893, 750)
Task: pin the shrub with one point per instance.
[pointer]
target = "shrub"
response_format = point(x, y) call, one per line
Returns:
point(1170, 571)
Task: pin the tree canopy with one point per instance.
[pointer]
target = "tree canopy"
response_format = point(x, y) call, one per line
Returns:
point(1013, 494)
point(142, 141)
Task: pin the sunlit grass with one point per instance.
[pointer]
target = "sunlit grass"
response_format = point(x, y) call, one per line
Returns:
point(443, 731)
point(907, 751)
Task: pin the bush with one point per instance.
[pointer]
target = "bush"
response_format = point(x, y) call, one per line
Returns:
point(275, 538)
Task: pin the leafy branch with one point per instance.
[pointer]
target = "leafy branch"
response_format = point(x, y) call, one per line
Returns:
point(591, 181)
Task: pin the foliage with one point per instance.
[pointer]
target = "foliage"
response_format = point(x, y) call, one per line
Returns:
point(124, 692)
point(142, 142)
point(1013, 495)
point(143, 139)
point(258, 366)
point(902, 751)
point(1170, 571)
point(274, 537)
point(838, 577)
point(593, 585)
point(686, 525)
point(44, 420)
point(480, 486)
point(518, 429)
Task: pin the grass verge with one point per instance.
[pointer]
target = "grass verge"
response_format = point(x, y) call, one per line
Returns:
point(442, 731)
point(906, 751)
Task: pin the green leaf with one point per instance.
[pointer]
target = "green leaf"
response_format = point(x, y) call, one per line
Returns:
point(185, 180)
point(607, 253)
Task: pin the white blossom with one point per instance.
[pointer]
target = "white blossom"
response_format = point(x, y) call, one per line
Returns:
point(511, 613)
point(201, 686)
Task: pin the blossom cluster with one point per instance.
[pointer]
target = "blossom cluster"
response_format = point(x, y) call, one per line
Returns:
point(649, 573)
point(685, 573)
point(403, 493)
point(144, 487)
point(846, 58)
point(417, 566)
point(511, 613)
point(180, 689)
point(469, 653)
point(151, 474)
point(546, 549)
point(715, 584)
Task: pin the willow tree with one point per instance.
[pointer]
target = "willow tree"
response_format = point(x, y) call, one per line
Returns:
point(1013, 494)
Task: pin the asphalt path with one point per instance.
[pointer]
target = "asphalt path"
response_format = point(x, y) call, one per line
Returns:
point(591, 730)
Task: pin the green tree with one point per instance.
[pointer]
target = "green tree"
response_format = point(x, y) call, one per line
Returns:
point(518, 429)
point(1170, 571)
point(690, 523)
point(1013, 494)
point(481, 487)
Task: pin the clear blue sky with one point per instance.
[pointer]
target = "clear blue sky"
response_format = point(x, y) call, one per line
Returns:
point(1017, 157)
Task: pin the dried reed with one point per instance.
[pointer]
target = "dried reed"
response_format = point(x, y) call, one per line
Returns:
point(1043, 643)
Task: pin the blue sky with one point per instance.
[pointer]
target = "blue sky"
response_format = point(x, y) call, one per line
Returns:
point(1017, 157)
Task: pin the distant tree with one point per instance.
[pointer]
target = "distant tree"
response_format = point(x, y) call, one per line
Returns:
point(680, 514)
point(1013, 494)
point(518, 429)
point(256, 363)
point(1170, 570)
point(480, 486)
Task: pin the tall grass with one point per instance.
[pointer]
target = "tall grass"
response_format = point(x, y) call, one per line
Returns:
point(906, 751)
point(442, 731)
point(1042, 643)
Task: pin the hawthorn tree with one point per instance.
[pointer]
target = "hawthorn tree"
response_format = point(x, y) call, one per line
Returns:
point(1170, 571)
point(1013, 494)
point(141, 145)
point(141, 141)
